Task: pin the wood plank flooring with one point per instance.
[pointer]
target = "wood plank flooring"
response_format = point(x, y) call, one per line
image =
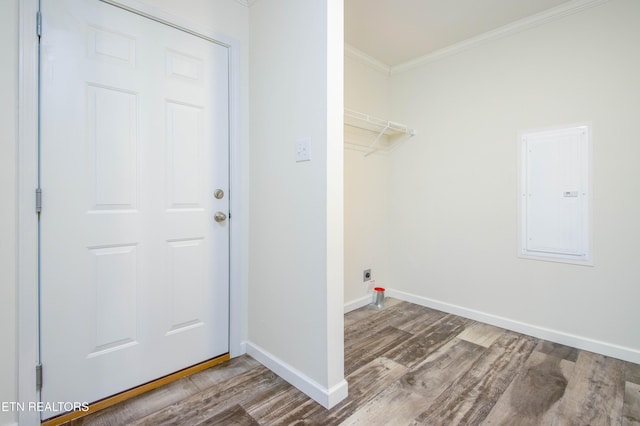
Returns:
point(408, 365)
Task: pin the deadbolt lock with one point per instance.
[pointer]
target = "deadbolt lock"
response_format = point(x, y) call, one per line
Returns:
point(219, 193)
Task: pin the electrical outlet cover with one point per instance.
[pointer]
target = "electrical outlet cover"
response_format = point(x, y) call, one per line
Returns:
point(303, 149)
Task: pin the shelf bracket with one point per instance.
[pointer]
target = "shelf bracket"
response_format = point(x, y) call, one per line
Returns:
point(372, 148)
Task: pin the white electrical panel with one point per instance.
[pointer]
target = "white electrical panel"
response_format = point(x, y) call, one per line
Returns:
point(555, 191)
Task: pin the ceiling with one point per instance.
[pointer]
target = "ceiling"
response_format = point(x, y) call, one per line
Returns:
point(397, 31)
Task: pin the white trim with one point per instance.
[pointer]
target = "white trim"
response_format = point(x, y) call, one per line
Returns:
point(358, 303)
point(552, 14)
point(355, 53)
point(238, 250)
point(580, 342)
point(27, 219)
point(27, 182)
point(327, 397)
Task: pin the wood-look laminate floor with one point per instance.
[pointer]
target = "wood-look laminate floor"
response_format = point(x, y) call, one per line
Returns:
point(409, 365)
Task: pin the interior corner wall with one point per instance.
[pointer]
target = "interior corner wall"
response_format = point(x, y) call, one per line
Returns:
point(290, 296)
point(366, 188)
point(454, 186)
point(8, 219)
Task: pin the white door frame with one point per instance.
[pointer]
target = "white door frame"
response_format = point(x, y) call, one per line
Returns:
point(28, 302)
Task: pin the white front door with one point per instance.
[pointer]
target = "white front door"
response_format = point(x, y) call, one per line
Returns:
point(134, 146)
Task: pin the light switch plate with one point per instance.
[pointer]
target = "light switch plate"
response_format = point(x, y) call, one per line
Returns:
point(303, 149)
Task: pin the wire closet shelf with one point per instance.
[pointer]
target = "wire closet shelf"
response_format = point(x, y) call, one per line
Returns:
point(377, 125)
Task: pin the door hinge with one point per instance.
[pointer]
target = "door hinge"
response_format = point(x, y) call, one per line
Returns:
point(38, 200)
point(39, 376)
point(39, 24)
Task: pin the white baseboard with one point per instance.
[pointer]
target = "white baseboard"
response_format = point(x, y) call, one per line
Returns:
point(580, 342)
point(358, 303)
point(327, 397)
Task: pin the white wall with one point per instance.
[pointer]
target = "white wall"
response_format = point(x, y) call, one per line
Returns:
point(454, 186)
point(366, 185)
point(8, 188)
point(295, 275)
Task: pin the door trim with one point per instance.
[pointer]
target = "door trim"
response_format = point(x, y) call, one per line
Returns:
point(28, 355)
point(27, 263)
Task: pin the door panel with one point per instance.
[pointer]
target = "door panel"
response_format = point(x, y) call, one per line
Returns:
point(112, 124)
point(134, 270)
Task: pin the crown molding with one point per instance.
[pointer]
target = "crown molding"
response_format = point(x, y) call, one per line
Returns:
point(246, 3)
point(552, 14)
point(366, 59)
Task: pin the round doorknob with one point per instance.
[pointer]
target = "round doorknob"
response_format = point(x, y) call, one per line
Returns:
point(220, 217)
